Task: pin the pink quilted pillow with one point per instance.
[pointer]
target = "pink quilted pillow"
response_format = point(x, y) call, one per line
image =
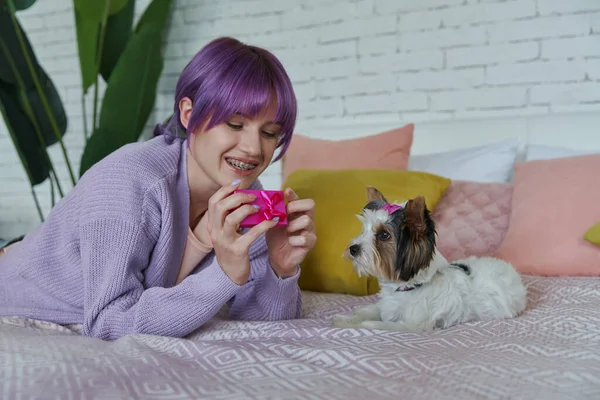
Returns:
point(472, 218)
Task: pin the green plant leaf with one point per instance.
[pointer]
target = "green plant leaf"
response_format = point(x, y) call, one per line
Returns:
point(19, 4)
point(118, 32)
point(100, 144)
point(9, 37)
point(31, 82)
point(87, 44)
point(157, 14)
point(93, 10)
point(130, 93)
point(131, 89)
point(22, 132)
point(23, 4)
point(88, 16)
point(56, 107)
point(14, 63)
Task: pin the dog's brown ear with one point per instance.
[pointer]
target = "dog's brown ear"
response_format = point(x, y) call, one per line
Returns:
point(414, 215)
point(374, 195)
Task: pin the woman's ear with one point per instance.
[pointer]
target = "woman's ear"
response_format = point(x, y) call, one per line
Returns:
point(185, 111)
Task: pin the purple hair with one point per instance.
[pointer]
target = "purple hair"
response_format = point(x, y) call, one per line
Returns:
point(226, 77)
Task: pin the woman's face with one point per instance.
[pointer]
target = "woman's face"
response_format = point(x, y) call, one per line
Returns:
point(239, 148)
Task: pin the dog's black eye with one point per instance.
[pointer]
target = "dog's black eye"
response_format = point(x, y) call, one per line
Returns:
point(383, 235)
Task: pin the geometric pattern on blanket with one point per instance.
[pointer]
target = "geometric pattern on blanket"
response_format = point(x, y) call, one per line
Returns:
point(550, 352)
point(472, 218)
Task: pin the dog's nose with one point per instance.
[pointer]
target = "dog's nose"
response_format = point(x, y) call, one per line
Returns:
point(354, 250)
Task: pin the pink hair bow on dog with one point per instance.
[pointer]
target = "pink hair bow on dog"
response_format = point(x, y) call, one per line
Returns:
point(391, 208)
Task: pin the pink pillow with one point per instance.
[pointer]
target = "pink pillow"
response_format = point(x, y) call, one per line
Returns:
point(386, 150)
point(554, 202)
point(472, 219)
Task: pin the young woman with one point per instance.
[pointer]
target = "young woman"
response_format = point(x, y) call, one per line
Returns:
point(149, 240)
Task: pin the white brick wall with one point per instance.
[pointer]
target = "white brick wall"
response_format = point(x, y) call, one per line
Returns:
point(397, 60)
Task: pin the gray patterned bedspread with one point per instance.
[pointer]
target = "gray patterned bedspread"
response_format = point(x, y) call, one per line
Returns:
point(551, 352)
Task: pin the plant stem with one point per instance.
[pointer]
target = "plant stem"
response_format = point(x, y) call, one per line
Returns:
point(95, 110)
point(84, 114)
point(52, 190)
point(39, 89)
point(28, 110)
point(99, 58)
point(37, 203)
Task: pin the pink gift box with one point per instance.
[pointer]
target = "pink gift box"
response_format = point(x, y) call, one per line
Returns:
point(271, 204)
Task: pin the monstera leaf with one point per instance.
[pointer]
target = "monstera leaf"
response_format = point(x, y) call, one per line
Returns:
point(131, 88)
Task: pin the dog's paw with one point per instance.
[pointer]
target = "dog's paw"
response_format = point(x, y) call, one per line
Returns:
point(368, 313)
point(378, 325)
point(346, 321)
point(388, 326)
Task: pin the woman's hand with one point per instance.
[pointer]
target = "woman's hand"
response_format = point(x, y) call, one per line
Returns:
point(232, 247)
point(288, 245)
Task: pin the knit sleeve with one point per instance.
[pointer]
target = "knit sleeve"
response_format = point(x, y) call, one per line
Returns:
point(114, 254)
point(266, 297)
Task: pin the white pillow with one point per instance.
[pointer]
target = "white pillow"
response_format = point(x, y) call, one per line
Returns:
point(490, 163)
point(536, 152)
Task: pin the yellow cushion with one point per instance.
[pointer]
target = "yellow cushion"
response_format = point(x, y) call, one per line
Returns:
point(339, 196)
point(593, 235)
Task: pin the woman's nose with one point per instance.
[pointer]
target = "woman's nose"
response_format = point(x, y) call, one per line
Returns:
point(250, 143)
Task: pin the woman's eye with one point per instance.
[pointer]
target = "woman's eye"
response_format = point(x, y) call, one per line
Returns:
point(383, 235)
point(233, 126)
point(269, 134)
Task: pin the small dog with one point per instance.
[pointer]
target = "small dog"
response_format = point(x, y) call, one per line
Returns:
point(420, 290)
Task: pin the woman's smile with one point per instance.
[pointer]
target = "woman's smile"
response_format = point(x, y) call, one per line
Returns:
point(241, 166)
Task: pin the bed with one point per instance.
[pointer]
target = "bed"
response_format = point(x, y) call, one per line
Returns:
point(552, 351)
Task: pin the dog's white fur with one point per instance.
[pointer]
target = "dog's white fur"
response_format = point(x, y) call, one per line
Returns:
point(448, 296)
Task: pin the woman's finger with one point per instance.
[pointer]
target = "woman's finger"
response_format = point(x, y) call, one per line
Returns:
point(307, 240)
point(213, 220)
point(223, 192)
point(301, 206)
point(249, 237)
point(234, 201)
point(226, 205)
point(290, 195)
point(297, 224)
point(233, 219)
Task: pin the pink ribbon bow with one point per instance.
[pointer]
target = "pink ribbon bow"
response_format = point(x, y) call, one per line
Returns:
point(270, 201)
point(391, 208)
